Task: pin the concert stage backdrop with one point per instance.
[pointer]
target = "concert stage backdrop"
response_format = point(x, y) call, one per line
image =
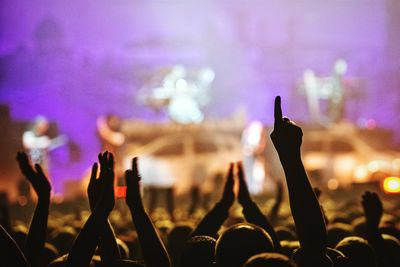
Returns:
point(73, 61)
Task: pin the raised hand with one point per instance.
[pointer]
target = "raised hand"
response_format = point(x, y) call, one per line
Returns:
point(35, 240)
point(306, 211)
point(213, 220)
point(107, 199)
point(154, 252)
point(95, 186)
point(106, 161)
point(373, 209)
point(132, 177)
point(251, 211)
point(36, 176)
point(228, 196)
point(286, 136)
point(274, 212)
point(244, 195)
point(101, 189)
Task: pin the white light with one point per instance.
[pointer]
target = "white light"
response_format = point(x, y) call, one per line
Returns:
point(396, 164)
point(341, 66)
point(391, 185)
point(181, 84)
point(361, 174)
point(373, 166)
point(185, 110)
point(207, 75)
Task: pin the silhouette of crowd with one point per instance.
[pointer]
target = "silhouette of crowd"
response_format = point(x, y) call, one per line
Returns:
point(358, 235)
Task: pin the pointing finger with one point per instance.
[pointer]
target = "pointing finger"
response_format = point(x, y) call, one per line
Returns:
point(277, 111)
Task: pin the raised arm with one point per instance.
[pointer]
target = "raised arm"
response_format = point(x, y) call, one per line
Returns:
point(37, 231)
point(273, 214)
point(214, 219)
point(373, 211)
point(307, 215)
point(108, 247)
point(85, 244)
point(251, 211)
point(154, 252)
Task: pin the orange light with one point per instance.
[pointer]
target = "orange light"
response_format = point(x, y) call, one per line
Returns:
point(333, 184)
point(120, 191)
point(391, 185)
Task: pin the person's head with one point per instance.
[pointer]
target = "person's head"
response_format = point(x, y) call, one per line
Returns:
point(390, 230)
point(392, 249)
point(359, 226)
point(358, 251)
point(19, 234)
point(177, 238)
point(50, 253)
point(239, 242)
point(199, 251)
point(63, 239)
point(96, 262)
point(59, 262)
point(338, 258)
point(269, 259)
point(301, 258)
point(41, 125)
point(287, 247)
point(336, 232)
point(285, 233)
point(123, 248)
point(114, 122)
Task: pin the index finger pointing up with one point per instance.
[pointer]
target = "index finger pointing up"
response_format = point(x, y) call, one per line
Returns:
point(277, 111)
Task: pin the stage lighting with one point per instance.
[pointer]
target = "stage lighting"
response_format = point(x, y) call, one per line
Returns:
point(333, 184)
point(391, 185)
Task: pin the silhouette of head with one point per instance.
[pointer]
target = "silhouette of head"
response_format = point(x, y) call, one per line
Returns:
point(50, 253)
point(392, 249)
point(358, 251)
point(198, 252)
point(19, 234)
point(310, 259)
point(336, 232)
point(123, 249)
point(177, 239)
point(63, 239)
point(269, 259)
point(239, 242)
point(41, 125)
point(285, 233)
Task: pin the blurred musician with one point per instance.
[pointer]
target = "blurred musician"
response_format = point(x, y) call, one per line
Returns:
point(111, 137)
point(254, 143)
point(109, 129)
point(36, 141)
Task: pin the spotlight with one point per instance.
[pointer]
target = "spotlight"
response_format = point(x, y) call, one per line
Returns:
point(391, 185)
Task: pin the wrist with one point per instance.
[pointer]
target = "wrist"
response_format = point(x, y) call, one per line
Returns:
point(290, 158)
point(225, 204)
point(135, 205)
point(291, 154)
point(247, 203)
point(45, 199)
point(372, 224)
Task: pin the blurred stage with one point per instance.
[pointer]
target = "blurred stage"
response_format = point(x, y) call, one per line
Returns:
point(63, 60)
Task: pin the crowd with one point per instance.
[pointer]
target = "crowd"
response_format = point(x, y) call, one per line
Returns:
point(359, 234)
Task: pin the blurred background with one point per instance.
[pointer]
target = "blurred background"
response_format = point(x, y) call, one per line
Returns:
point(189, 86)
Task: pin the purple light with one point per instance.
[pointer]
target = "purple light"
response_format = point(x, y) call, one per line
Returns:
point(91, 58)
